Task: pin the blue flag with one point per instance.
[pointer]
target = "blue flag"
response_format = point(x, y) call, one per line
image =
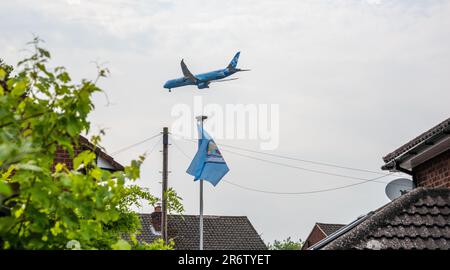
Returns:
point(208, 164)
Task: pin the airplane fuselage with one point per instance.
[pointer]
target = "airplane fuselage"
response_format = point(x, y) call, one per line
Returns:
point(203, 79)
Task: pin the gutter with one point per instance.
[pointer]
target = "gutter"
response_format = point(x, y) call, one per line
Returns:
point(400, 169)
point(394, 163)
point(322, 243)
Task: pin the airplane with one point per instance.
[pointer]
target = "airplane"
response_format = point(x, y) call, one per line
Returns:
point(203, 80)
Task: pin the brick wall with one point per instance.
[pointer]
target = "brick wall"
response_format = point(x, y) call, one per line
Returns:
point(434, 172)
point(62, 156)
point(315, 236)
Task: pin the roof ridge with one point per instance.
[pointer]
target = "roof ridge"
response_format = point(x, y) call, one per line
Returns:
point(192, 215)
point(422, 137)
point(321, 223)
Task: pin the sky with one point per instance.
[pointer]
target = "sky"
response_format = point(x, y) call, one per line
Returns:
point(353, 79)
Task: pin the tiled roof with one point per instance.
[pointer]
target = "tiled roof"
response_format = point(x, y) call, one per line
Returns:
point(147, 233)
point(328, 228)
point(419, 219)
point(441, 128)
point(220, 232)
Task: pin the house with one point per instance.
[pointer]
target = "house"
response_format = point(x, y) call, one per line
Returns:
point(104, 161)
point(220, 232)
point(419, 219)
point(319, 232)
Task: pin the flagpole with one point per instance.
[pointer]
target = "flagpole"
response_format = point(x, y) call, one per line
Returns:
point(201, 214)
point(201, 118)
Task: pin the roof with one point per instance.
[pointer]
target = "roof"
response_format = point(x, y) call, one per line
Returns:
point(220, 232)
point(148, 233)
point(425, 139)
point(98, 151)
point(329, 228)
point(324, 230)
point(419, 219)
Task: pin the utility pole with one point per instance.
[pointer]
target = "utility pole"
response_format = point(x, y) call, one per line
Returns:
point(164, 184)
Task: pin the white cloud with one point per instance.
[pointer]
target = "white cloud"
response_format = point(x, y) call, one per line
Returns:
point(374, 2)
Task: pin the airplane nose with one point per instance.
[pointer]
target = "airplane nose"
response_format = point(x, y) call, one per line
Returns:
point(166, 85)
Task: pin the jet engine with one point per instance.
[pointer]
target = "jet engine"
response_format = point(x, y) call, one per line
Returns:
point(203, 85)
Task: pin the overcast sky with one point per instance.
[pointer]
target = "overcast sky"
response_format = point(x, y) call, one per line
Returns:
point(353, 79)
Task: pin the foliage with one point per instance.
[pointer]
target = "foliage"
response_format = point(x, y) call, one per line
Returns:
point(50, 206)
point(174, 204)
point(158, 244)
point(286, 244)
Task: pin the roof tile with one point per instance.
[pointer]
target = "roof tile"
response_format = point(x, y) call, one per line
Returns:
point(419, 219)
point(220, 232)
point(328, 228)
point(429, 210)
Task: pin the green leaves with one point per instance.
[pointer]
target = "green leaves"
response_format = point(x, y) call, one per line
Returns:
point(2, 74)
point(121, 245)
point(64, 77)
point(85, 158)
point(30, 166)
point(69, 202)
point(56, 229)
point(174, 202)
point(287, 244)
point(96, 173)
point(133, 171)
point(43, 53)
point(5, 189)
point(158, 244)
point(19, 88)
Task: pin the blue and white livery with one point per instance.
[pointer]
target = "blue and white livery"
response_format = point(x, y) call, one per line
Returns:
point(203, 80)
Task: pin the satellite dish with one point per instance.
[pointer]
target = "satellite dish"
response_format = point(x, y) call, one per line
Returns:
point(398, 187)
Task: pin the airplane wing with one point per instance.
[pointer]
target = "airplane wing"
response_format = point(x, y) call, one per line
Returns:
point(187, 73)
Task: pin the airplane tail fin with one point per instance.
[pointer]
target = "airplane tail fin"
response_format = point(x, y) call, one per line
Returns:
point(233, 63)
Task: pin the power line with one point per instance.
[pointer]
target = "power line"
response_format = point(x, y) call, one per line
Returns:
point(303, 160)
point(135, 144)
point(304, 169)
point(364, 180)
point(301, 168)
point(154, 146)
point(292, 158)
point(290, 193)
point(179, 149)
point(303, 192)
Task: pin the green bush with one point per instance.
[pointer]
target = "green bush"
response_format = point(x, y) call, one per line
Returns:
point(46, 207)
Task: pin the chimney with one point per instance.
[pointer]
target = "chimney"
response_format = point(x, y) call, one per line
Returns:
point(156, 217)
